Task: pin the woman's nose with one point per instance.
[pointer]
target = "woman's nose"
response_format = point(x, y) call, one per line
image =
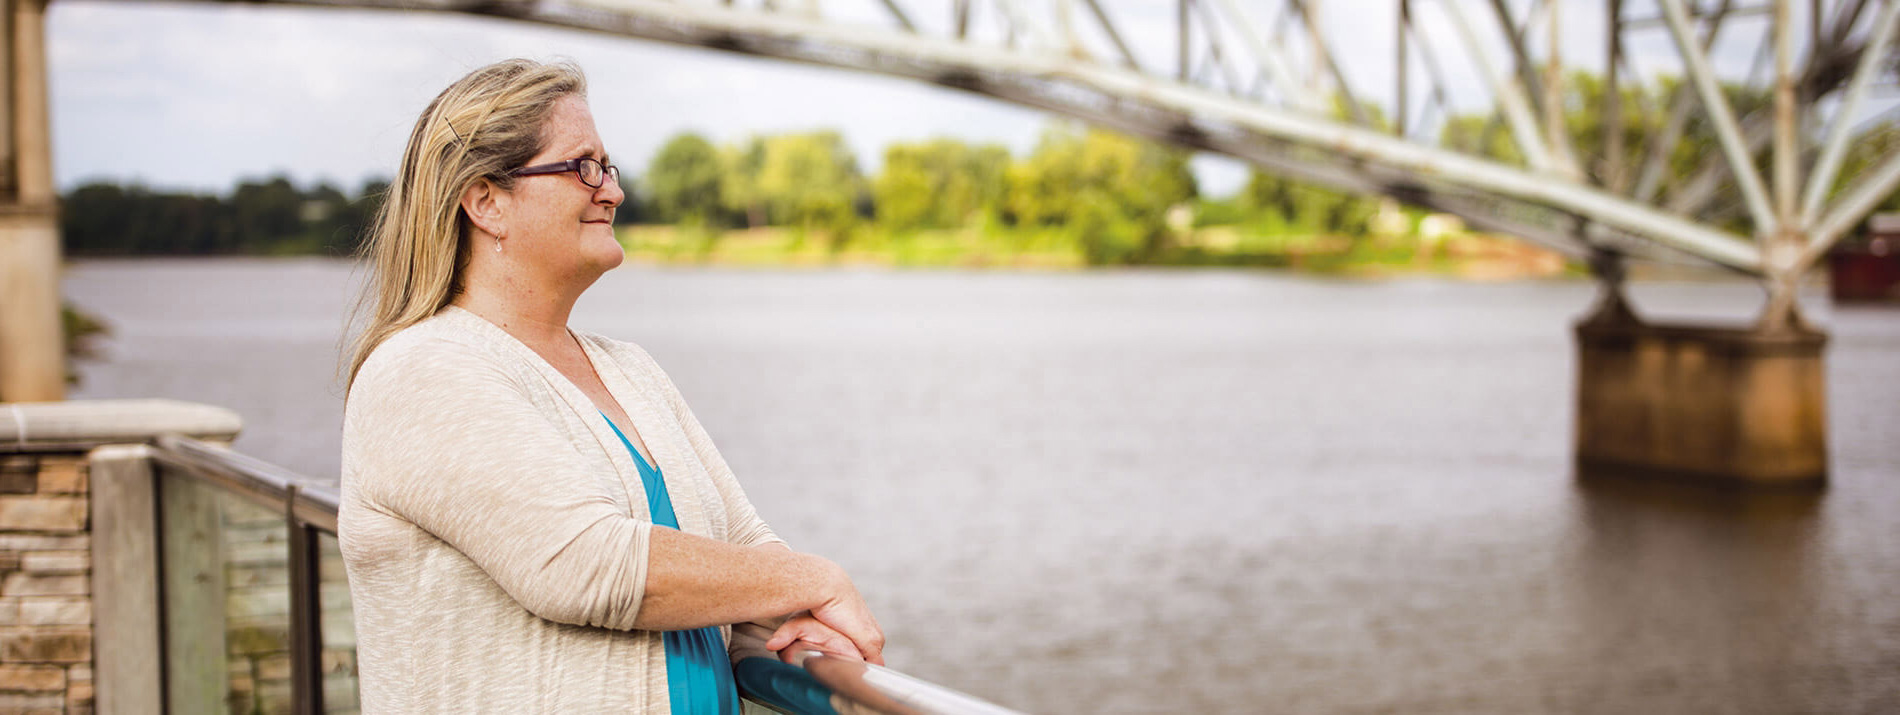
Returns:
point(610, 194)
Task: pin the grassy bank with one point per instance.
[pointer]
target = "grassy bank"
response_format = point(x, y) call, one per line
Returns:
point(1462, 255)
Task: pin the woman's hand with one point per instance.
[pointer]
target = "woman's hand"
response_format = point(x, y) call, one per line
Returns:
point(843, 614)
point(803, 632)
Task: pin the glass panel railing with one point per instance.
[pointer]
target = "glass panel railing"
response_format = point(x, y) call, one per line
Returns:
point(193, 589)
point(234, 562)
point(225, 589)
point(257, 608)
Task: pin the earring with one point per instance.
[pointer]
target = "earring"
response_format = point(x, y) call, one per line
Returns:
point(498, 244)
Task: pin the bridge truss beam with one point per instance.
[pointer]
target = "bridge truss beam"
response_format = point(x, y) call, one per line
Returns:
point(1240, 87)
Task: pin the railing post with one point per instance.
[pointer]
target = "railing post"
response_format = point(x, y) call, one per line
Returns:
point(306, 632)
point(128, 660)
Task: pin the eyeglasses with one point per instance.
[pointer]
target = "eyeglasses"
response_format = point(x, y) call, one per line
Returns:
point(589, 169)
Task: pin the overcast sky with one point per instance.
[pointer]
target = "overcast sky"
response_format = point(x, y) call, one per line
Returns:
point(199, 95)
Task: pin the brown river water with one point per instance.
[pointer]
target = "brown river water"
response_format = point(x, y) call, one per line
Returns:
point(1187, 491)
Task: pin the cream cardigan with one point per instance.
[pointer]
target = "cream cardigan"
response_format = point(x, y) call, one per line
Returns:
point(495, 530)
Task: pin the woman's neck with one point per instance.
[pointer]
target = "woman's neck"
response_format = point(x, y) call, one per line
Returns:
point(541, 324)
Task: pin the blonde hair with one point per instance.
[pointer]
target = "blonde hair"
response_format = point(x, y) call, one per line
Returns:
point(481, 127)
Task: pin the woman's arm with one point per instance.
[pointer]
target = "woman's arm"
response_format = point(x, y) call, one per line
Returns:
point(747, 529)
point(694, 582)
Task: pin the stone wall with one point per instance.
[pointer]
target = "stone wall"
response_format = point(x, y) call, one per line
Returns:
point(45, 585)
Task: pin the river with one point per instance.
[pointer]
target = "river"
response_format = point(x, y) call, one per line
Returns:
point(1186, 491)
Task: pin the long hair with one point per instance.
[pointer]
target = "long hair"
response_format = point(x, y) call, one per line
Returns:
point(484, 125)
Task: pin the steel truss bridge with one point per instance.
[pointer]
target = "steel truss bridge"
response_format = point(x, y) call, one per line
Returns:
point(1287, 86)
point(1352, 94)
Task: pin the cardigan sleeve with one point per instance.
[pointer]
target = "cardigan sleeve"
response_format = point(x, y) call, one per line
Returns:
point(744, 525)
point(445, 439)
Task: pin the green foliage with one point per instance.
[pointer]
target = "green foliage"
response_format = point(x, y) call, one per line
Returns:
point(1869, 148)
point(943, 183)
point(739, 181)
point(82, 331)
point(258, 218)
point(1111, 191)
point(810, 180)
point(1299, 207)
point(638, 204)
point(1220, 212)
point(683, 180)
point(273, 210)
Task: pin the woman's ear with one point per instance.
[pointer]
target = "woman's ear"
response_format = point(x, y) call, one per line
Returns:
point(487, 207)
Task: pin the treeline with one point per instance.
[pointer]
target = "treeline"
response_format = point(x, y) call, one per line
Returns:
point(1112, 193)
point(1105, 197)
point(272, 217)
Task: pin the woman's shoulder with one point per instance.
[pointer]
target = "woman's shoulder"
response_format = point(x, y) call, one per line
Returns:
point(438, 344)
point(626, 353)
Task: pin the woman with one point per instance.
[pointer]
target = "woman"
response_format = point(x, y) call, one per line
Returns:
point(532, 520)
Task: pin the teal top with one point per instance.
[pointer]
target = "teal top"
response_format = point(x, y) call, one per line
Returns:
point(698, 671)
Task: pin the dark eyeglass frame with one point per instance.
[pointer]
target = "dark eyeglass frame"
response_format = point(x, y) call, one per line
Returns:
point(578, 166)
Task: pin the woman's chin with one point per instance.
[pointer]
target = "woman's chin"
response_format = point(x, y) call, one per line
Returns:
point(606, 252)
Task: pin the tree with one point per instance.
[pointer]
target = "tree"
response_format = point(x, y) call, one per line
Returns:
point(266, 214)
point(1111, 191)
point(1307, 207)
point(942, 183)
point(739, 181)
point(258, 217)
point(92, 220)
point(350, 224)
point(810, 180)
point(906, 191)
point(683, 180)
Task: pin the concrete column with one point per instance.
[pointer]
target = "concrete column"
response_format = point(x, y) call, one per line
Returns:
point(32, 144)
point(1737, 406)
point(32, 345)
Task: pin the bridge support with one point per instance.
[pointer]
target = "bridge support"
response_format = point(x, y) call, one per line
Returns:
point(1743, 407)
point(32, 348)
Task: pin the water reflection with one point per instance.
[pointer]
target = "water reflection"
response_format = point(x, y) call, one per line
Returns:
point(1687, 597)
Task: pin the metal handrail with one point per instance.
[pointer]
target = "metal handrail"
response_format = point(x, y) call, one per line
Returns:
point(310, 506)
point(309, 501)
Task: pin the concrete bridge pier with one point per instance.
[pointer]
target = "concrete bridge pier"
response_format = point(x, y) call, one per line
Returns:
point(32, 349)
point(1733, 406)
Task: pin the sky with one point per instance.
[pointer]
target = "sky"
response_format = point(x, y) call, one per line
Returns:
point(200, 95)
